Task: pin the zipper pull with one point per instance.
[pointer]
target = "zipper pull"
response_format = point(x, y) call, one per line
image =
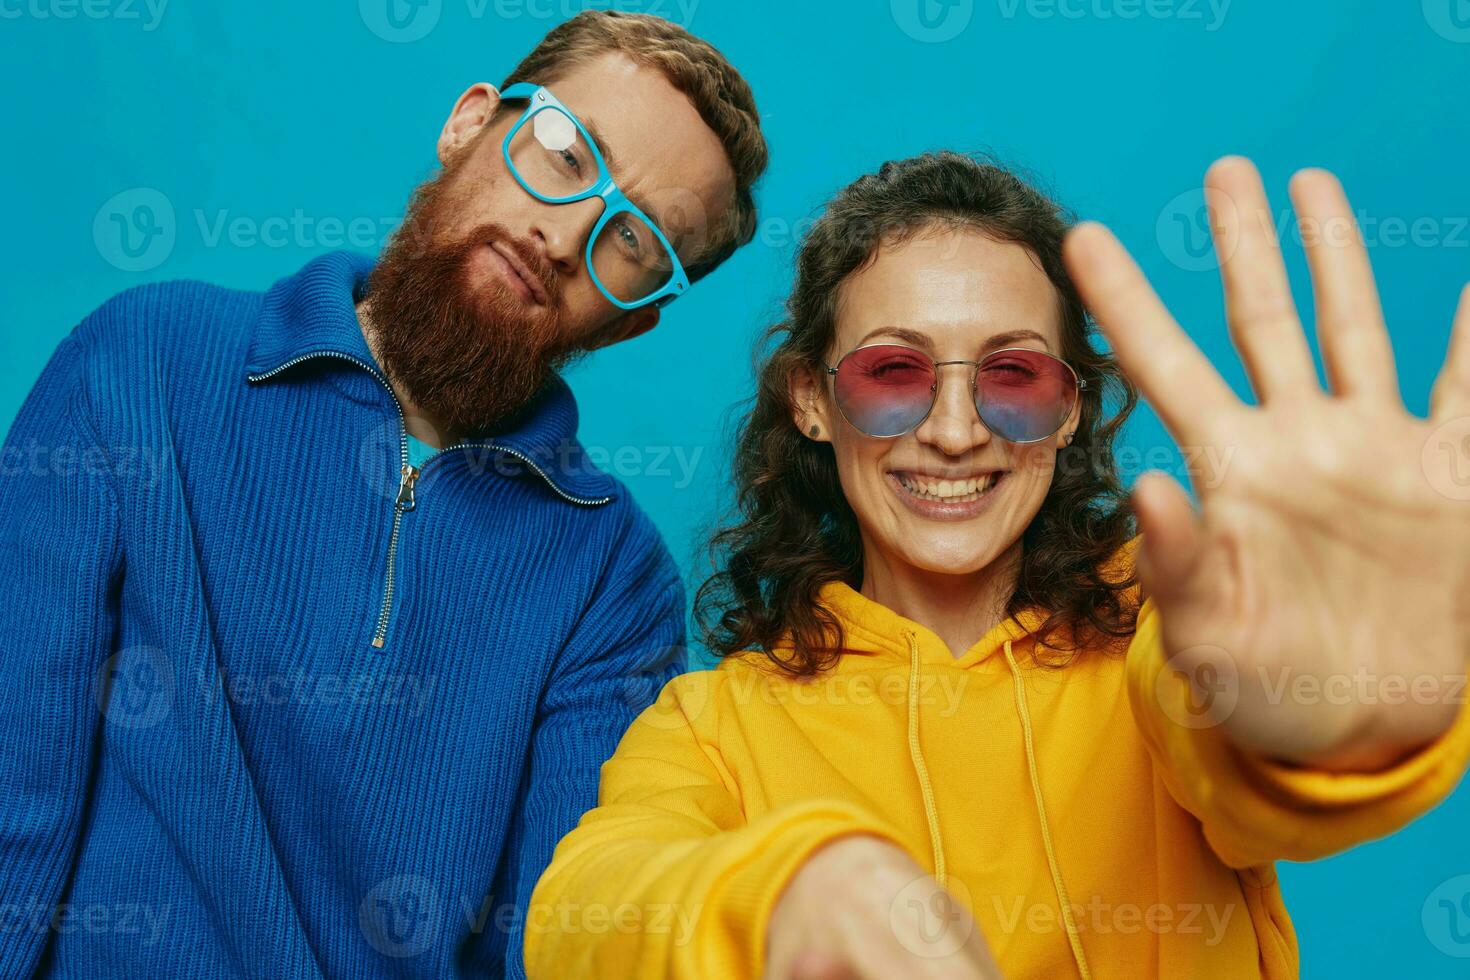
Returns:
point(406, 499)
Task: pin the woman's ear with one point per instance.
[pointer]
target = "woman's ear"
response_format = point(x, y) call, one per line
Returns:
point(808, 390)
point(471, 113)
point(1068, 431)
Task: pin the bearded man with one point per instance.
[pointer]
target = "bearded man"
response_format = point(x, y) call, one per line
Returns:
point(316, 693)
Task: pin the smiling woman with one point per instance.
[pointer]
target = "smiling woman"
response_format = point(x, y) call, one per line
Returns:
point(952, 259)
point(929, 503)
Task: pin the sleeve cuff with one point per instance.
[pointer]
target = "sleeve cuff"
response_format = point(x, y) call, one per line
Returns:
point(1255, 810)
point(1436, 766)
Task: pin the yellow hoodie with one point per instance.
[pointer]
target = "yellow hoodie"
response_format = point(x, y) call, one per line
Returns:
point(1090, 828)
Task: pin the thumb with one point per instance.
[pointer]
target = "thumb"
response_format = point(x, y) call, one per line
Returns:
point(1173, 535)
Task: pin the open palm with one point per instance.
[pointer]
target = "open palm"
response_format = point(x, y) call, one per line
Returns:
point(1326, 575)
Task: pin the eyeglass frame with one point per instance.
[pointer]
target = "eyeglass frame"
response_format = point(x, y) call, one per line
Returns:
point(615, 202)
point(1081, 385)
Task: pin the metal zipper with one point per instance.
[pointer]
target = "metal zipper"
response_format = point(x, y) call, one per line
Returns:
point(405, 485)
point(585, 501)
point(402, 505)
point(408, 477)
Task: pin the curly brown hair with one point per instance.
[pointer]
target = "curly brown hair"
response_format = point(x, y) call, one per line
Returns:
point(794, 531)
point(718, 92)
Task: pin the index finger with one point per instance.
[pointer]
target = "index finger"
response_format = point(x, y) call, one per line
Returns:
point(1173, 374)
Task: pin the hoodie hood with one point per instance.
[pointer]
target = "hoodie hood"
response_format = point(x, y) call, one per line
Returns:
point(871, 629)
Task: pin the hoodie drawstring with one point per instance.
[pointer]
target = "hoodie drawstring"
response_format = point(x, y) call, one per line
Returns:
point(1051, 856)
point(921, 769)
point(931, 812)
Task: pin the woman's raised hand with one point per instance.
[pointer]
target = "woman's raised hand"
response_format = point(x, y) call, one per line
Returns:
point(1324, 586)
point(861, 909)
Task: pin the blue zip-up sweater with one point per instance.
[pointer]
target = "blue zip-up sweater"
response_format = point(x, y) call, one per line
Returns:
point(266, 711)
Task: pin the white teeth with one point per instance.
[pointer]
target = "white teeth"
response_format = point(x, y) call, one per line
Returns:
point(952, 491)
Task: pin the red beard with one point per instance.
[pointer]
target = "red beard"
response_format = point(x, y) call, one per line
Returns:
point(466, 352)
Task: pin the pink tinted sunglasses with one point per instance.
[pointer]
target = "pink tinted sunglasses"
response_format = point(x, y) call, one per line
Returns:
point(1022, 395)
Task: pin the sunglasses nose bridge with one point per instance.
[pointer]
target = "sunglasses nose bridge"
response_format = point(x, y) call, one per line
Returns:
point(957, 428)
point(974, 376)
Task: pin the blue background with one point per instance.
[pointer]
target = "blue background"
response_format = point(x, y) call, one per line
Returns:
point(307, 112)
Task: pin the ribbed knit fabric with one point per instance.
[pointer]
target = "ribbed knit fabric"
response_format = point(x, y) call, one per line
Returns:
point(208, 768)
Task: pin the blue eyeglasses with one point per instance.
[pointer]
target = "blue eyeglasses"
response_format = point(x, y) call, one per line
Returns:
point(552, 156)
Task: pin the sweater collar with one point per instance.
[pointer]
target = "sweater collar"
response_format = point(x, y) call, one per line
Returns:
point(313, 313)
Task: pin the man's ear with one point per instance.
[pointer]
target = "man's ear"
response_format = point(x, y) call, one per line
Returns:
point(634, 323)
point(809, 414)
point(471, 113)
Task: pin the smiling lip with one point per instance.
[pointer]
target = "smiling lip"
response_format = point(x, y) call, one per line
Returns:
point(530, 287)
point(955, 504)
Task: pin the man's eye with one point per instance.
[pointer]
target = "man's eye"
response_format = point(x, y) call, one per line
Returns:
point(629, 237)
point(570, 159)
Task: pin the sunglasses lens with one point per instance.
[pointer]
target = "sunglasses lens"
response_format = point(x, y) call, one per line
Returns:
point(885, 390)
point(1024, 395)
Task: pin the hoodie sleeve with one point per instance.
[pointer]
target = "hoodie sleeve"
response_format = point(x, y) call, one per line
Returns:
point(666, 877)
point(1255, 810)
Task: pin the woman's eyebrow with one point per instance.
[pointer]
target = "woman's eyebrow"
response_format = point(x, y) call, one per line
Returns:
point(908, 336)
point(1012, 336)
point(917, 339)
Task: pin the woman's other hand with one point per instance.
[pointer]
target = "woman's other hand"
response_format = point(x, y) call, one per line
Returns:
point(861, 909)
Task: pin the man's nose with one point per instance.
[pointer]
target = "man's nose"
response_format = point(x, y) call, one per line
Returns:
point(565, 228)
point(953, 426)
